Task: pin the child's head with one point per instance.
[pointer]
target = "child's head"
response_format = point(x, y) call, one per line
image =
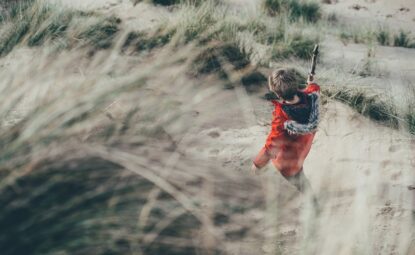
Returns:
point(285, 83)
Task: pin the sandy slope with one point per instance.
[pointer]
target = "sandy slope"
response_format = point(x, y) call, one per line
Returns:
point(359, 170)
point(391, 67)
point(399, 14)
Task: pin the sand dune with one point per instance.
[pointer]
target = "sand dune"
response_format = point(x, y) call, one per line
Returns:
point(361, 171)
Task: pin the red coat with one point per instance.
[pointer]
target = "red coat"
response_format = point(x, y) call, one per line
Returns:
point(287, 152)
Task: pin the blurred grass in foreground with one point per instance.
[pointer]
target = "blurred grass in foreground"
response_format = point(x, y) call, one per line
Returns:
point(92, 161)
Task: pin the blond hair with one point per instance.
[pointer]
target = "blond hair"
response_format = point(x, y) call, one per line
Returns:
point(284, 82)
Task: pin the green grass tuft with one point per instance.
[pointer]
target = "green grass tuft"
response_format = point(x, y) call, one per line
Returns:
point(214, 58)
point(101, 33)
point(141, 41)
point(410, 118)
point(402, 39)
point(168, 2)
point(296, 10)
point(366, 102)
point(298, 46)
point(37, 23)
point(213, 22)
point(254, 81)
point(12, 36)
point(54, 26)
point(383, 37)
point(10, 9)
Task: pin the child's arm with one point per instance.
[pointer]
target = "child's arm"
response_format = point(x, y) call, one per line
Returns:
point(293, 127)
point(269, 149)
point(296, 128)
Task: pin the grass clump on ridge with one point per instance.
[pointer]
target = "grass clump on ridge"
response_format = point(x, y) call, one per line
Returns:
point(141, 41)
point(402, 39)
point(409, 115)
point(366, 102)
point(376, 106)
point(212, 22)
point(11, 8)
point(212, 59)
point(168, 2)
point(298, 46)
point(39, 22)
point(410, 119)
point(100, 33)
point(296, 10)
point(382, 36)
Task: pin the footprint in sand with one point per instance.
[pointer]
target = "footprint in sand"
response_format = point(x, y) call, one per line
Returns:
point(214, 152)
point(404, 9)
point(214, 134)
point(394, 148)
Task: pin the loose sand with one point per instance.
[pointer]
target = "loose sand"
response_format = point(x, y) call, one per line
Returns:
point(359, 170)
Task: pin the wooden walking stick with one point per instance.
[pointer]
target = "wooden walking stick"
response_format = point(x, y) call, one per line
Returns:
point(313, 63)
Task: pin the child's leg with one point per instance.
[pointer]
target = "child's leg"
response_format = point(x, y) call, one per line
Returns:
point(299, 181)
point(302, 184)
point(262, 158)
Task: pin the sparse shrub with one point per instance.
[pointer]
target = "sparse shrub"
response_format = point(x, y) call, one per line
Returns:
point(410, 119)
point(367, 102)
point(409, 114)
point(357, 35)
point(366, 70)
point(369, 66)
point(101, 34)
point(301, 47)
point(166, 2)
point(308, 11)
point(274, 36)
point(401, 39)
point(140, 41)
point(332, 18)
point(298, 46)
point(169, 2)
point(383, 37)
point(13, 35)
point(210, 22)
point(195, 21)
point(272, 7)
point(214, 58)
point(9, 9)
point(38, 23)
point(18, 20)
point(53, 27)
point(345, 36)
point(234, 55)
point(206, 63)
point(253, 81)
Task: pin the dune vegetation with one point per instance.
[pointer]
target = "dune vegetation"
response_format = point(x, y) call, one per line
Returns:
point(90, 159)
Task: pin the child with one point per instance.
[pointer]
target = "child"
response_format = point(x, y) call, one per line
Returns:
point(294, 124)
